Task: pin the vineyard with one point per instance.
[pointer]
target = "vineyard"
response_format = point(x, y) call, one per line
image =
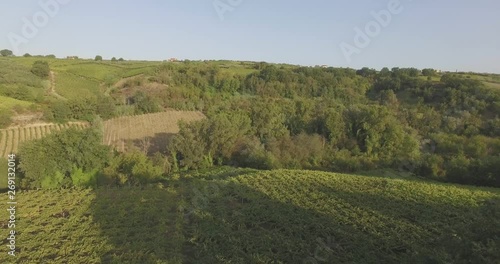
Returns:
point(10, 139)
point(155, 128)
point(72, 86)
point(245, 216)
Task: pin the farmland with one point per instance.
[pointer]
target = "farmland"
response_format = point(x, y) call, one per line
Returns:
point(74, 78)
point(11, 138)
point(72, 86)
point(245, 216)
point(155, 127)
point(116, 131)
point(165, 196)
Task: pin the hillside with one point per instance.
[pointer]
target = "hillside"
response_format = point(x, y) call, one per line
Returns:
point(438, 125)
point(246, 216)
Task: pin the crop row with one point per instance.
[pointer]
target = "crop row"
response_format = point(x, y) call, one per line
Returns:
point(11, 139)
point(132, 128)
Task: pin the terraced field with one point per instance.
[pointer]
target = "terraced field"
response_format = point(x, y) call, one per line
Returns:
point(12, 138)
point(245, 216)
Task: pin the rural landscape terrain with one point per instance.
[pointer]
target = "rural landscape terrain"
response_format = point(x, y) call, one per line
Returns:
point(182, 161)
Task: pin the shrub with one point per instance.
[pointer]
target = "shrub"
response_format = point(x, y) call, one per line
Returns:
point(3, 167)
point(81, 179)
point(5, 119)
point(43, 161)
point(485, 171)
point(52, 181)
point(41, 69)
point(432, 166)
point(131, 168)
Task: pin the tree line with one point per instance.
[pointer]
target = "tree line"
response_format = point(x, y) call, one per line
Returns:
point(332, 119)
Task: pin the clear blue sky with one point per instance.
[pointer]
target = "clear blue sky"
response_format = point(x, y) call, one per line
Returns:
point(447, 35)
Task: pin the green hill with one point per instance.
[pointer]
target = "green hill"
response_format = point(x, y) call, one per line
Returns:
point(247, 216)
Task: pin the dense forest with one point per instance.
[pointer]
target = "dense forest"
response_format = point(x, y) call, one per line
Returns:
point(444, 127)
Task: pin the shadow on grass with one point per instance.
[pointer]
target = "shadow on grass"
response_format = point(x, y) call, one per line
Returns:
point(139, 223)
point(221, 220)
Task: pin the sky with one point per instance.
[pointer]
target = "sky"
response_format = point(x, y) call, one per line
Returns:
point(448, 35)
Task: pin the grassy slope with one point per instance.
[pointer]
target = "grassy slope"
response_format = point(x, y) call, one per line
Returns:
point(246, 216)
point(77, 78)
point(8, 103)
point(84, 78)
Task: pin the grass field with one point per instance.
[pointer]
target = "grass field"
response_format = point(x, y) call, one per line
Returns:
point(245, 216)
point(8, 103)
point(72, 86)
point(156, 127)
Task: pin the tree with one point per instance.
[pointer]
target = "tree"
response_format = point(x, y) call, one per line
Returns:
point(144, 104)
point(385, 72)
point(366, 72)
point(379, 134)
point(105, 107)
point(131, 168)
point(6, 53)
point(98, 58)
point(41, 69)
point(52, 160)
point(202, 143)
point(113, 59)
point(27, 55)
point(120, 59)
point(429, 72)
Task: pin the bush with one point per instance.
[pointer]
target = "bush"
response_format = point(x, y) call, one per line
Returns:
point(132, 168)
point(41, 69)
point(6, 53)
point(81, 179)
point(485, 172)
point(3, 168)
point(251, 153)
point(5, 119)
point(60, 112)
point(145, 104)
point(432, 166)
point(52, 181)
point(43, 161)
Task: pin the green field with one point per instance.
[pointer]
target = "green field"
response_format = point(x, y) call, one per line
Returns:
point(74, 78)
point(247, 216)
point(72, 86)
point(8, 103)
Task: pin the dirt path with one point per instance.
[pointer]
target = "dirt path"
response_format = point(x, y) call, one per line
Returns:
point(53, 86)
